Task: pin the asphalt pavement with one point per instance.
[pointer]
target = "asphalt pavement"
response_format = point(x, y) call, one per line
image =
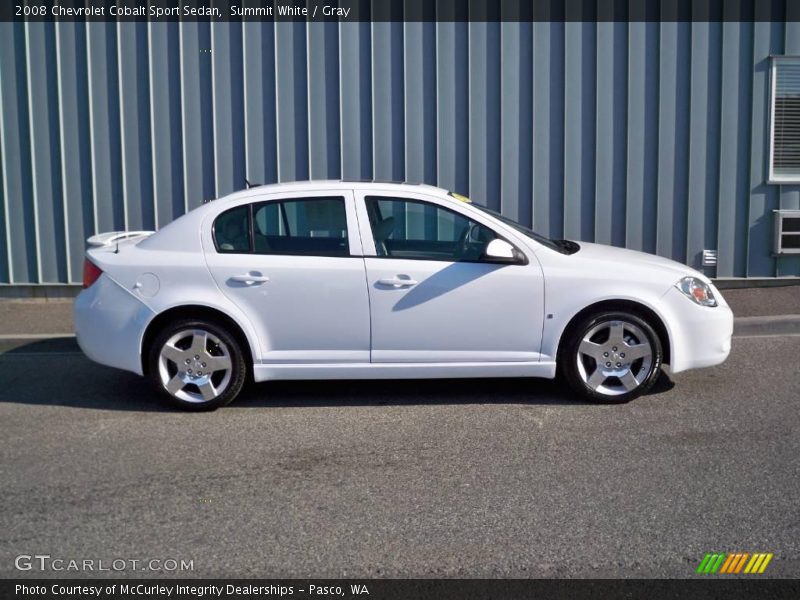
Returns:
point(485, 478)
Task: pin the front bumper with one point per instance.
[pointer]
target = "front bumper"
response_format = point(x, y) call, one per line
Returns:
point(700, 336)
point(110, 323)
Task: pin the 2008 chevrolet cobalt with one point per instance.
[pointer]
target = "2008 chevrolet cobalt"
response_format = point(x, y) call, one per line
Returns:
point(334, 280)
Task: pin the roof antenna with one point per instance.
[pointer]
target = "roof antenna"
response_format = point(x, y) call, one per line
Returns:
point(247, 183)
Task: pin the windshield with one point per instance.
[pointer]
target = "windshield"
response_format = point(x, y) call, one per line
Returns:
point(544, 241)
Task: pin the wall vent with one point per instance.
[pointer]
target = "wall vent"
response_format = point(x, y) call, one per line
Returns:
point(709, 258)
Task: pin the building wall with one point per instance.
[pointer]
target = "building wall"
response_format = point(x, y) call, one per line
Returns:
point(652, 136)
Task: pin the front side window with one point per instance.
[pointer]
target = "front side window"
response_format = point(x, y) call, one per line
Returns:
point(308, 226)
point(404, 228)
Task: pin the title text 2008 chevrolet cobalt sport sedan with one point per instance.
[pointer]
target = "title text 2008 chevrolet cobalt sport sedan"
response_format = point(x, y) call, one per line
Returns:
point(335, 280)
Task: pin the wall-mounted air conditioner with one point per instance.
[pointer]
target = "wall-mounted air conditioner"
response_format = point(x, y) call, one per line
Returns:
point(787, 231)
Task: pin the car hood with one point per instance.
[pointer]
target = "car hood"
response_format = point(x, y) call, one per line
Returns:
point(635, 261)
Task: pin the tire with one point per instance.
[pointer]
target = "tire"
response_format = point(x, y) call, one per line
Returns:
point(611, 357)
point(179, 376)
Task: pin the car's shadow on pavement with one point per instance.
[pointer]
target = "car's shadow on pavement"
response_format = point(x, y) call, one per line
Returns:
point(55, 373)
point(404, 392)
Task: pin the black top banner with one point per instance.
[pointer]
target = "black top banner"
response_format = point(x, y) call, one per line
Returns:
point(399, 10)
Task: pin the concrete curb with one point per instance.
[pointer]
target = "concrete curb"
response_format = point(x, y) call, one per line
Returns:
point(742, 327)
point(771, 325)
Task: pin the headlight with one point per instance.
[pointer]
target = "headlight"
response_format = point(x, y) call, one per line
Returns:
point(698, 291)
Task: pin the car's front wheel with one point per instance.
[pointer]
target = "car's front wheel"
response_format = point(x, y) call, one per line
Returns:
point(197, 364)
point(612, 357)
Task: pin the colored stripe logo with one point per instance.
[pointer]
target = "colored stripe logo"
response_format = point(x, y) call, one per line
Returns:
point(734, 563)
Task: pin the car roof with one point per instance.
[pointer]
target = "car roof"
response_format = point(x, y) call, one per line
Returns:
point(331, 184)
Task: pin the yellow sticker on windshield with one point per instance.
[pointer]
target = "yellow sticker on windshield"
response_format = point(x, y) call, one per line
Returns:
point(460, 197)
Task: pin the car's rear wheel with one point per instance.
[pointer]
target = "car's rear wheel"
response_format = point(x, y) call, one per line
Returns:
point(197, 364)
point(612, 357)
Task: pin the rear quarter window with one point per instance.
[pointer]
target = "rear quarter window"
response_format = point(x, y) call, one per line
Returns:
point(232, 230)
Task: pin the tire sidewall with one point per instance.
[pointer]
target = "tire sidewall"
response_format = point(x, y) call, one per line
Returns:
point(238, 364)
point(568, 358)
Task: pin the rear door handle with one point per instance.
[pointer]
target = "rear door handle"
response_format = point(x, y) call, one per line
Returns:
point(250, 278)
point(397, 282)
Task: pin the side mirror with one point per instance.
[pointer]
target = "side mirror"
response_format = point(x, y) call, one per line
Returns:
point(500, 251)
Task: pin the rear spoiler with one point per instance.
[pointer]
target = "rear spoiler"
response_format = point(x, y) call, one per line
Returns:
point(114, 237)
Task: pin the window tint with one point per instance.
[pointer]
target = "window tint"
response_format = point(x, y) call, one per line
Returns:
point(232, 230)
point(404, 228)
point(312, 226)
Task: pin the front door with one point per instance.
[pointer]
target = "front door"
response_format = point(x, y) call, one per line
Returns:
point(433, 300)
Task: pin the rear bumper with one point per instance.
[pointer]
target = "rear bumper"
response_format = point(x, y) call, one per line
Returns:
point(110, 324)
point(700, 336)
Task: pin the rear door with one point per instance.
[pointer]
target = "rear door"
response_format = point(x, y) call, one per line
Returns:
point(292, 263)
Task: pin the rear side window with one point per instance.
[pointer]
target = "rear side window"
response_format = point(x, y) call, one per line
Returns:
point(309, 226)
point(232, 230)
point(304, 227)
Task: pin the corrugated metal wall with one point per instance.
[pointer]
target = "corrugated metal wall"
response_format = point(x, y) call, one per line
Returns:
point(647, 135)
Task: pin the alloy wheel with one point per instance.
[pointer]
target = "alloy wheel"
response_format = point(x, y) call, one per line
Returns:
point(614, 357)
point(195, 365)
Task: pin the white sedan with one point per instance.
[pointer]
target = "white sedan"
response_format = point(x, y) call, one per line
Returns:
point(351, 280)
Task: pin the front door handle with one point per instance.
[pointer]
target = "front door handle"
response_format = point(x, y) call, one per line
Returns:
point(397, 282)
point(248, 278)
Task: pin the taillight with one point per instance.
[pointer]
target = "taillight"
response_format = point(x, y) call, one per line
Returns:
point(91, 273)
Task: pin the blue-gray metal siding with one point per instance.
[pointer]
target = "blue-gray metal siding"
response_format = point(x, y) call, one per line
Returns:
point(650, 135)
